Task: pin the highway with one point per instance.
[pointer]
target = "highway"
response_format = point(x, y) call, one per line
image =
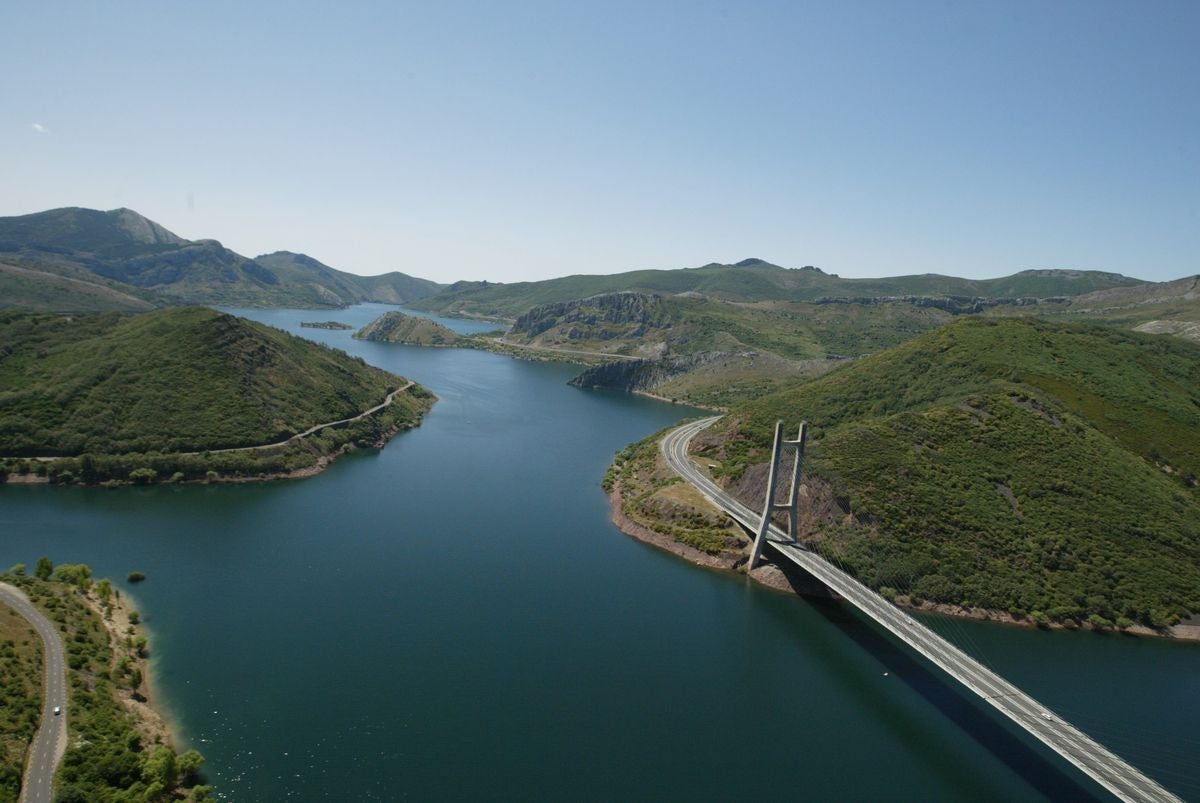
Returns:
point(50, 742)
point(1090, 757)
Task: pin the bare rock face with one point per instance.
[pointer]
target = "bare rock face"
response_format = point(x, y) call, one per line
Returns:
point(631, 375)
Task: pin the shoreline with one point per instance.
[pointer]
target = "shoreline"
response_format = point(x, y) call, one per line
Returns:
point(152, 715)
point(773, 577)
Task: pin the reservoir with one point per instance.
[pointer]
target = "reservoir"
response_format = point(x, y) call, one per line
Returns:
point(454, 617)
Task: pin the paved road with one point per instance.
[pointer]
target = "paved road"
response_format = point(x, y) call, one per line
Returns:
point(387, 400)
point(1092, 758)
point(51, 740)
point(550, 349)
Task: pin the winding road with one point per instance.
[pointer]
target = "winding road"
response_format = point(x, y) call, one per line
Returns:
point(51, 740)
point(1093, 759)
point(311, 430)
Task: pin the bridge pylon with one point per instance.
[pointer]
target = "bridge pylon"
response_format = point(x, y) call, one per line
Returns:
point(791, 506)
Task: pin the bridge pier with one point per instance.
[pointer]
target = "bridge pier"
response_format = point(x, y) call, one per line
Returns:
point(791, 507)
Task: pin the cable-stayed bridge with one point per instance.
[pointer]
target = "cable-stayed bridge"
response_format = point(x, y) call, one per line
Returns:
point(1092, 758)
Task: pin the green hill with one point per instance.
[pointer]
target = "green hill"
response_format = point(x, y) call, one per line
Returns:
point(65, 253)
point(173, 381)
point(1039, 468)
point(756, 280)
point(396, 327)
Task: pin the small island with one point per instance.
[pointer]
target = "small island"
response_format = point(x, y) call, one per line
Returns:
point(411, 330)
point(325, 325)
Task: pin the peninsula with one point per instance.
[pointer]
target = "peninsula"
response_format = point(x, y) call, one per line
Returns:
point(184, 394)
point(98, 736)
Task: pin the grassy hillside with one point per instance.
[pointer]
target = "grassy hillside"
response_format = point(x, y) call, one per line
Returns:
point(1161, 308)
point(20, 697)
point(754, 280)
point(396, 327)
point(173, 380)
point(23, 288)
point(1040, 468)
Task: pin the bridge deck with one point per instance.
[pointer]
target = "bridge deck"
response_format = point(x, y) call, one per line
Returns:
point(1093, 759)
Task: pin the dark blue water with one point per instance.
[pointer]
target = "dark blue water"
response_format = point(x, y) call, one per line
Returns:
point(454, 617)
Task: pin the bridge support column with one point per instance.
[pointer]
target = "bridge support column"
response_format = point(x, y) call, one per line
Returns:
point(770, 507)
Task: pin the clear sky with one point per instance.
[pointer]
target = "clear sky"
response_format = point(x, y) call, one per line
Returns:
point(524, 140)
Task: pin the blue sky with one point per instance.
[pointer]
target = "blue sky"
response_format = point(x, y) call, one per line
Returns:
point(526, 140)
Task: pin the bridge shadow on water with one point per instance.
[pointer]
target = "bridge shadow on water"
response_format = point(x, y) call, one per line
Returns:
point(1050, 775)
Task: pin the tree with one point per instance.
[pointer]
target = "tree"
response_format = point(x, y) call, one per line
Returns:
point(18, 570)
point(143, 476)
point(104, 589)
point(77, 574)
point(188, 764)
point(44, 568)
point(159, 768)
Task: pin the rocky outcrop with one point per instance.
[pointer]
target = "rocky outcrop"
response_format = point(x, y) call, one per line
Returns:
point(631, 375)
point(602, 317)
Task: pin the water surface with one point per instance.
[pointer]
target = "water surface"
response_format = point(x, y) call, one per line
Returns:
point(454, 617)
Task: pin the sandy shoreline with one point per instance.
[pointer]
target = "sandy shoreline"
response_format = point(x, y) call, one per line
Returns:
point(151, 716)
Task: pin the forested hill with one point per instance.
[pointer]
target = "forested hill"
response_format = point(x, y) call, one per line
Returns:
point(757, 280)
point(75, 259)
point(173, 380)
point(1040, 468)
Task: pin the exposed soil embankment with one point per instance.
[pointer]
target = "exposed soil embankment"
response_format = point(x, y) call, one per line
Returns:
point(726, 561)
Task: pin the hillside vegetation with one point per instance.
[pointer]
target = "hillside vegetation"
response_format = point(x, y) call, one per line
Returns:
point(755, 280)
point(20, 697)
point(180, 381)
point(76, 259)
point(1044, 469)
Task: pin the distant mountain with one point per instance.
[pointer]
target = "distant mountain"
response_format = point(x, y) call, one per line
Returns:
point(340, 288)
point(758, 280)
point(127, 253)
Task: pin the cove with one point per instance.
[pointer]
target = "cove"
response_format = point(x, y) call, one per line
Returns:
point(454, 617)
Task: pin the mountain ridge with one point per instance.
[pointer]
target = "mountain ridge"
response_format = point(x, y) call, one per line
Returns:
point(123, 249)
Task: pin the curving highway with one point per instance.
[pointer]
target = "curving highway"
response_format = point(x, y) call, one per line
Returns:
point(1092, 758)
point(51, 740)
